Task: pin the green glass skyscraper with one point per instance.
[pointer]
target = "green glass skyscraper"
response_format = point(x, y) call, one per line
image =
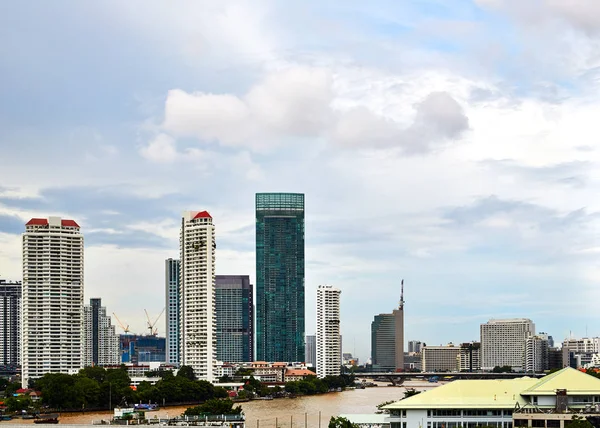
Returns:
point(280, 277)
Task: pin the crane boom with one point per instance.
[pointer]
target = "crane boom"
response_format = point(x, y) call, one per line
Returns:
point(125, 329)
point(153, 331)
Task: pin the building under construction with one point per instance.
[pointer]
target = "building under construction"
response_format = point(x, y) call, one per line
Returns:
point(138, 349)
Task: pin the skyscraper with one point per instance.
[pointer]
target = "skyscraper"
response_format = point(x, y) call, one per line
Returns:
point(280, 276)
point(399, 330)
point(235, 321)
point(503, 342)
point(172, 296)
point(197, 293)
point(10, 323)
point(52, 298)
point(311, 350)
point(101, 343)
point(383, 342)
point(328, 331)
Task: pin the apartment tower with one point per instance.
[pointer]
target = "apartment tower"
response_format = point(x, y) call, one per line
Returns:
point(310, 350)
point(197, 293)
point(503, 342)
point(101, 342)
point(173, 307)
point(280, 277)
point(328, 331)
point(235, 321)
point(10, 323)
point(52, 312)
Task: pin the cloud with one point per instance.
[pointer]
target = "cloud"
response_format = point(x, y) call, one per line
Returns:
point(297, 103)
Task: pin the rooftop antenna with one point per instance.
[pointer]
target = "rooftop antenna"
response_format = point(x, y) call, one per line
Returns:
point(401, 304)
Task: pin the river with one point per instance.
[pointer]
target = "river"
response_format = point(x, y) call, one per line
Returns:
point(283, 412)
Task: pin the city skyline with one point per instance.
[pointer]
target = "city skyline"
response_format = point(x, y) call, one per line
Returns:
point(423, 153)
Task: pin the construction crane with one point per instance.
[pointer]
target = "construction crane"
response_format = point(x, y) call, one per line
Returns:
point(125, 328)
point(153, 330)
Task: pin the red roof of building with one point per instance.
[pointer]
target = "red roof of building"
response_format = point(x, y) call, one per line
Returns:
point(203, 214)
point(37, 222)
point(44, 222)
point(69, 223)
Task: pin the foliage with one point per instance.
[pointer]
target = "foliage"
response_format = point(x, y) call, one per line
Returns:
point(225, 379)
point(215, 407)
point(243, 372)
point(380, 407)
point(411, 392)
point(578, 422)
point(340, 422)
point(220, 392)
point(503, 369)
point(11, 388)
point(16, 404)
point(186, 372)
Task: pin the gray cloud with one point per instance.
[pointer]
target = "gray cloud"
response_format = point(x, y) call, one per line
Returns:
point(573, 174)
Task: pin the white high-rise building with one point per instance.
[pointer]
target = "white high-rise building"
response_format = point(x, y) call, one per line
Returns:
point(328, 331)
point(197, 300)
point(536, 354)
point(52, 315)
point(173, 309)
point(503, 342)
point(101, 342)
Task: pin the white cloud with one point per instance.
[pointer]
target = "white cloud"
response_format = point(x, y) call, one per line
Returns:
point(160, 149)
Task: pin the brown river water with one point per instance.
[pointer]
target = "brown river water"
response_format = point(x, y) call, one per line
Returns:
point(281, 413)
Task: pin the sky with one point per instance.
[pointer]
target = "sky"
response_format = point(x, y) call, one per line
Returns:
point(449, 143)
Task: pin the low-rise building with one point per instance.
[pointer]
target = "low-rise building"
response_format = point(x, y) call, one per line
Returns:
point(298, 374)
point(439, 358)
point(547, 402)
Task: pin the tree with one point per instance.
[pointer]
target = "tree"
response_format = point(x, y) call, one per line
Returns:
point(58, 390)
point(11, 388)
point(341, 422)
point(411, 392)
point(503, 369)
point(186, 372)
point(225, 379)
point(16, 404)
point(87, 392)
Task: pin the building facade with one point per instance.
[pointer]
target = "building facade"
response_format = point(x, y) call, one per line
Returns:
point(311, 350)
point(197, 293)
point(10, 323)
point(414, 346)
point(137, 349)
point(328, 331)
point(470, 357)
point(383, 342)
point(536, 354)
point(440, 358)
point(52, 312)
point(235, 321)
point(399, 331)
point(173, 308)
point(503, 342)
point(279, 296)
point(101, 342)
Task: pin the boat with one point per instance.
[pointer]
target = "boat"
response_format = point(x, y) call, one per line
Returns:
point(50, 418)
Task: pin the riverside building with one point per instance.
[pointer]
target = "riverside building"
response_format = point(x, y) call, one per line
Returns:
point(197, 293)
point(503, 342)
point(172, 298)
point(280, 277)
point(10, 323)
point(235, 321)
point(52, 298)
point(440, 358)
point(101, 342)
point(328, 331)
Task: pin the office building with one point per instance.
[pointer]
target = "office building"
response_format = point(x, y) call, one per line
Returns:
point(311, 350)
point(383, 342)
point(503, 342)
point(329, 358)
point(197, 293)
point(399, 330)
point(52, 298)
point(280, 277)
point(235, 321)
point(414, 346)
point(578, 353)
point(440, 358)
point(470, 357)
point(387, 338)
point(10, 323)
point(172, 310)
point(536, 354)
point(101, 343)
